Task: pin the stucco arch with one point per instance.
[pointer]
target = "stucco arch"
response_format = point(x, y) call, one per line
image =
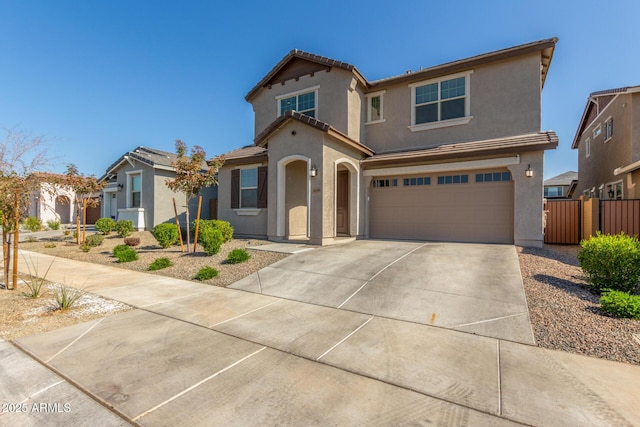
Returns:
point(281, 198)
point(354, 194)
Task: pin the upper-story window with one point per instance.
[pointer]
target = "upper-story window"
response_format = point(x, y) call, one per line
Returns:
point(375, 107)
point(597, 131)
point(608, 129)
point(555, 191)
point(440, 102)
point(587, 147)
point(304, 101)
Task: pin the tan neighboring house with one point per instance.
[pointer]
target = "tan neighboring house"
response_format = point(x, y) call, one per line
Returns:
point(136, 190)
point(562, 186)
point(608, 144)
point(452, 152)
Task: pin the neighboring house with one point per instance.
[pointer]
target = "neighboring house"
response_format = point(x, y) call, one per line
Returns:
point(608, 144)
point(53, 202)
point(562, 186)
point(136, 190)
point(452, 152)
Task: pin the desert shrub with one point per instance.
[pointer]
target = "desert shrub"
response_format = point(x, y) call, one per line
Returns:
point(160, 263)
point(124, 227)
point(621, 304)
point(132, 241)
point(94, 240)
point(237, 256)
point(206, 273)
point(65, 297)
point(125, 253)
point(166, 234)
point(105, 225)
point(49, 245)
point(85, 248)
point(224, 226)
point(611, 262)
point(32, 224)
point(35, 281)
point(53, 224)
point(211, 239)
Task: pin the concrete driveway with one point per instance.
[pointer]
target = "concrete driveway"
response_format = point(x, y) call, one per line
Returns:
point(473, 288)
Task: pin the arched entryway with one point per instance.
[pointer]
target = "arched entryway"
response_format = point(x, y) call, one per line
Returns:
point(63, 209)
point(346, 198)
point(293, 198)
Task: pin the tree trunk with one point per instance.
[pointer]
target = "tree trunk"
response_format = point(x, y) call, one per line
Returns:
point(175, 211)
point(195, 238)
point(16, 235)
point(84, 220)
point(5, 250)
point(77, 222)
point(188, 224)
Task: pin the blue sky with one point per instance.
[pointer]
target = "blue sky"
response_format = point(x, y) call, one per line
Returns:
point(99, 77)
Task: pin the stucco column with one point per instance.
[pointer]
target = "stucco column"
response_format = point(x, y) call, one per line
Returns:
point(528, 200)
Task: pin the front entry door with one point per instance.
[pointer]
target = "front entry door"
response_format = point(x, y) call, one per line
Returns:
point(342, 203)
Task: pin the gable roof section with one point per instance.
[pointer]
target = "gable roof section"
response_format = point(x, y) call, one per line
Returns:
point(298, 63)
point(546, 47)
point(490, 147)
point(596, 103)
point(563, 179)
point(156, 159)
point(261, 139)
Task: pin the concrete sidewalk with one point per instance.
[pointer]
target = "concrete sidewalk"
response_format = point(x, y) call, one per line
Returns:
point(192, 354)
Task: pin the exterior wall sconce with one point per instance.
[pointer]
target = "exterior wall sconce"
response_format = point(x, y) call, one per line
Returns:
point(611, 193)
point(120, 187)
point(529, 172)
point(313, 171)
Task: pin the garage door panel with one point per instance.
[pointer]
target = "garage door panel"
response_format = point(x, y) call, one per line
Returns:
point(471, 212)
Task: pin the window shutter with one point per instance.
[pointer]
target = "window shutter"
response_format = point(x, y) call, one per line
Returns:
point(262, 187)
point(235, 189)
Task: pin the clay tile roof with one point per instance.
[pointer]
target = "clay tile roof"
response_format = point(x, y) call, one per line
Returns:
point(292, 55)
point(261, 139)
point(512, 144)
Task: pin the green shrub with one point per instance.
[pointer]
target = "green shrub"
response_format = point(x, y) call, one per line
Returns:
point(211, 239)
point(94, 240)
point(32, 224)
point(224, 226)
point(85, 248)
point(206, 273)
point(125, 253)
point(621, 304)
point(53, 224)
point(50, 245)
point(105, 225)
point(166, 234)
point(611, 262)
point(132, 241)
point(124, 227)
point(159, 264)
point(237, 256)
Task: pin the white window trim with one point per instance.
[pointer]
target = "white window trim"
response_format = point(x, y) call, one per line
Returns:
point(296, 93)
point(607, 139)
point(587, 147)
point(442, 123)
point(247, 211)
point(597, 131)
point(368, 97)
point(129, 189)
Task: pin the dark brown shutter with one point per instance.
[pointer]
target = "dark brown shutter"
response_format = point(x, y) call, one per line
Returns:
point(262, 187)
point(235, 189)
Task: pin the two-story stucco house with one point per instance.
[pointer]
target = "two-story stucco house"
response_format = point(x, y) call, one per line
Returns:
point(608, 144)
point(452, 152)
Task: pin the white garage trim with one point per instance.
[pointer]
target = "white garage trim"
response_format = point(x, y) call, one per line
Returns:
point(444, 167)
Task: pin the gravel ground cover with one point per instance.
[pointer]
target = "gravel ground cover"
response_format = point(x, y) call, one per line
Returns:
point(566, 315)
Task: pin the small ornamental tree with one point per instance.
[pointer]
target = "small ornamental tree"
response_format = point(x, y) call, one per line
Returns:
point(85, 188)
point(193, 173)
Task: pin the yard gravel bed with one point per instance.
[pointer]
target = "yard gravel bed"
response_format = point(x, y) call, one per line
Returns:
point(565, 314)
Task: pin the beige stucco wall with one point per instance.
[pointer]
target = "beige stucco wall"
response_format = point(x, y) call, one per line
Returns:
point(528, 200)
point(332, 103)
point(244, 225)
point(505, 101)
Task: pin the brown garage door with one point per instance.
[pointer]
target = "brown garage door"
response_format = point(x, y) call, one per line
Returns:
point(472, 206)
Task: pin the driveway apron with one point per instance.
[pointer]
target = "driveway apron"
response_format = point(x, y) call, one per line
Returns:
point(474, 288)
